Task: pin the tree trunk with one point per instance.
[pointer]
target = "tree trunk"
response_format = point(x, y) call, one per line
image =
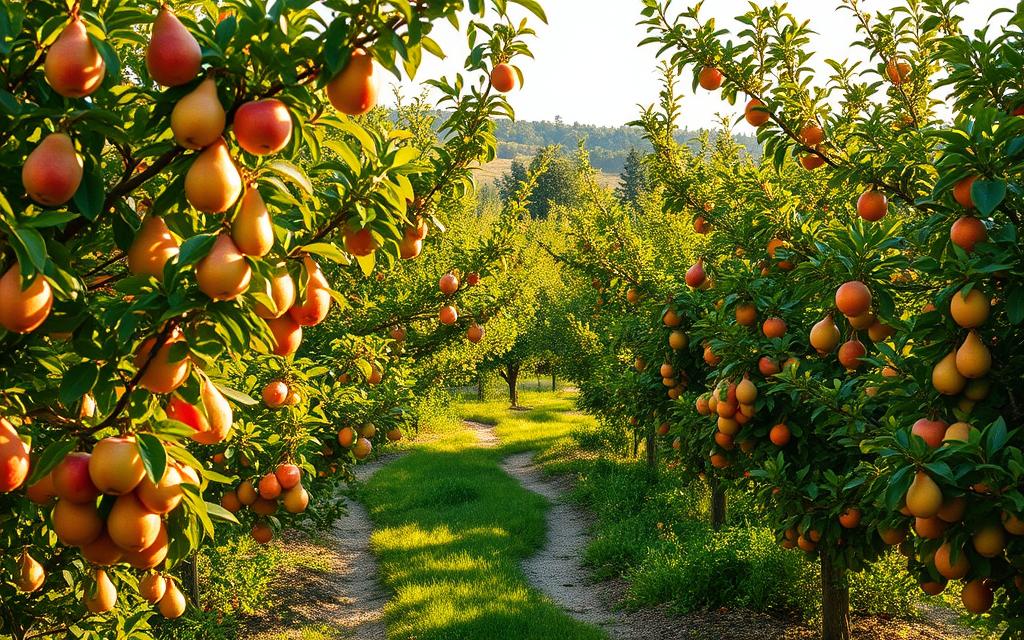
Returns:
point(190, 576)
point(717, 503)
point(651, 447)
point(636, 444)
point(512, 378)
point(835, 600)
point(554, 387)
point(480, 387)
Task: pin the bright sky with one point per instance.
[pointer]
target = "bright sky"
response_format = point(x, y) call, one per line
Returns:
point(589, 69)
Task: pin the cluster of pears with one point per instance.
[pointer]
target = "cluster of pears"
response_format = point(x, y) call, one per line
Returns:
point(112, 479)
point(281, 487)
point(963, 369)
point(675, 382)
point(853, 299)
point(358, 441)
point(731, 405)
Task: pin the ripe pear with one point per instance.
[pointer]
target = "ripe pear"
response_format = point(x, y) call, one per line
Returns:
point(131, 525)
point(173, 56)
point(152, 587)
point(946, 378)
point(224, 273)
point(990, 541)
point(317, 304)
point(53, 171)
point(30, 575)
point(282, 292)
point(970, 312)
point(213, 183)
point(924, 498)
point(825, 335)
point(746, 391)
point(218, 414)
point(152, 247)
point(23, 310)
point(198, 119)
point(354, 89)
point(253, 230)
point(103, 595)
point(172, 605)
point(73, 67)
point(972, 358)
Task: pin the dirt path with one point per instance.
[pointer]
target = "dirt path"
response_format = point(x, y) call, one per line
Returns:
point(337, 593)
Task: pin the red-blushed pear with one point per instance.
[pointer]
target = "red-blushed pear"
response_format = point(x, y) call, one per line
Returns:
point(354, 90)
point(22, 309)
point(411, 246)
point(115, 465)
point(152, 587)
point(269, 487)
point(73, 66)
point(263, 127)
point(449, 284)
point(30, 573)
point(76, 524)
point(973, 359)
point(71, 479)
point(162, 375)
point(695, 276)
point(968, 231)
point(224, 273)
point(288, 475)
point(152, 247)
point(52, 172)
point(755, 113)
point(931, 431)
point(362, 448)
point(172, 605)
point(14, 458)
point(475, 333)
point(282, 292)
point(275, 394)
point(287, 335)
point(164, 496)
point(252, 229)
point(317, 303)
point(825, 335)
point(101, 595)
point(958, 432)
point(853, 299)
point(448, 315)
point(102, 551)
point(131, 525)
point(710, 78)
point(152, 555)
point(213, 184)
point(503, 77)
point(359, 242)
point(198, 119)
point(173, 56)
point(872, 205)
point(946, 379)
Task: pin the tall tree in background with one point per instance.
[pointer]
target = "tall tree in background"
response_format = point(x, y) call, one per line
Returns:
point(634, 180)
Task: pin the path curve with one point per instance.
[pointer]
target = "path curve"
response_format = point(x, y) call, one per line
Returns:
point(347, 597)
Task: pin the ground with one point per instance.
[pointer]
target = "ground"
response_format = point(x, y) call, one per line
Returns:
point(469, 537)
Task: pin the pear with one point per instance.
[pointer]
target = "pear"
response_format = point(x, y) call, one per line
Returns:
point(825, 335)
point(924, 498)
point(218, 414)
point(972, 358)
point(946, 379)
point(971, 311)
point(223, 274)
point(53, 171)
point(104, 593)
point(173, 56)
point(318, 297)
point(213, 183)
point(282, 292)
point(253, 230)
point(746, 391)
point(30, 575)
point(73, 67)
point(354, 89)
point(23, 310)
point(152, 247)
point(152, 587)
point(172, 605)
point(198, 119)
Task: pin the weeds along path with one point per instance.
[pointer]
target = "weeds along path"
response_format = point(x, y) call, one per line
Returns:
point(333, 588)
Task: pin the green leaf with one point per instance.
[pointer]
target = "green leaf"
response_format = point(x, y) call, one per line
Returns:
point(154, 456)
point(327, 250)
point(237, 396)
point(291, 172)
point(220, 513)
point(51, 457)
point(77, 381)
point(988, 194)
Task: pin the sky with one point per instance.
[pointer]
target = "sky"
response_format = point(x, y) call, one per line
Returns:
point(589, 69)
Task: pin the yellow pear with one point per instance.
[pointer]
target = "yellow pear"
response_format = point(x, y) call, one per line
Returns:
point(103, 595)
point(152, 247)
point(746, 391)
point(218, 414)
point(282, 292)
point(958, 431)
point(825, 335)
point(213, 183)
point(223, 274)
point(924, 498)
point(946, 378)
point(74, 67)
point(30, 574)
point(990, 541)
point(22, 310)
point(972, 311)
point(253, 230)
point(172, 605)
point(198, 119)
point(53, 171)
point(972, 358)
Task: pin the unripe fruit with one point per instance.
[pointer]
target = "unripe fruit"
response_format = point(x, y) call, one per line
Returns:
point(971, 311)
point(152, 587)
point(872, 205)
point(131, 526)
point(115, 465)
point(503, 78)
point(53, 171)
point(354, 90)
point(76, 524)
point(853, 299)
point(102, 595)
point(973, 359)
point(755, 113)
point(263, 127)
point(924, 498)
point(73, 66)
point(151, 248)
point(825, 335)
point(173, 604)
point(173, 56)
point(198, 119)
point(23, 310)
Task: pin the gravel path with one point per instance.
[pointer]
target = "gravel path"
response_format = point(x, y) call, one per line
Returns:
point(339, 593)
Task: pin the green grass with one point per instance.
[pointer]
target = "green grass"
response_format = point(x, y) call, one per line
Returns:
point(450, 529)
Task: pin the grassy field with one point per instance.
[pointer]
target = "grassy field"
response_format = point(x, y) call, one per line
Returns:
point(489, 173)
point(451, 528)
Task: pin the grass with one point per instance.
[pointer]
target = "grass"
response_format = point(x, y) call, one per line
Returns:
point(450, 529)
